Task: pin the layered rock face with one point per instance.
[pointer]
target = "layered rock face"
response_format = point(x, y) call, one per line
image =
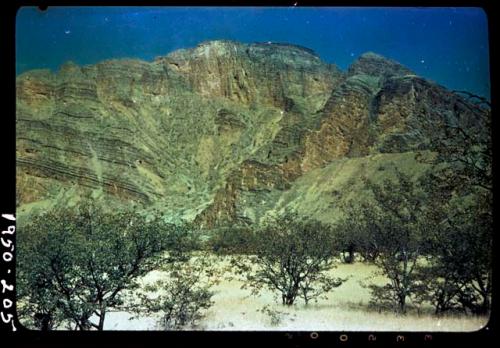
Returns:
point(220, 134)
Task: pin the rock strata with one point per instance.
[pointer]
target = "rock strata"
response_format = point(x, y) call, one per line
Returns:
point(218, 134)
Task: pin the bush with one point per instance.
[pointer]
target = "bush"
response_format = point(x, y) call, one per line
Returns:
point(275, 317)
point(232, 240)
point(180, 241)
point(184, 295)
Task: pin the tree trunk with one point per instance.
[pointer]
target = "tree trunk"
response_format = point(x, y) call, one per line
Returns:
point(402, 303)
point(101, 320)
point(306, 299)
point(44, 321)
point(485, 306)
point(351, 254)
point(288, 299)
point(404, 284)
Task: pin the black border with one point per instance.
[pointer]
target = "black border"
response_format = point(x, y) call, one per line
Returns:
point(26, 338)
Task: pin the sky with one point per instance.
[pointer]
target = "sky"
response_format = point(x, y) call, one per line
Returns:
point(446, 45)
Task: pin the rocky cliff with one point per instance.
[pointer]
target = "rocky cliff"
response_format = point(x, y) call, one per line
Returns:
point(222, 133)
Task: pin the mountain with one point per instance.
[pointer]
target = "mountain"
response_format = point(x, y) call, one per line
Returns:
point(222, 133)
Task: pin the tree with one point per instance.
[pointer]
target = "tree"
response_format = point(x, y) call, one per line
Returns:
point(463, 142)
point(347, 240)
point(182, 297)
point(353, 234)
point(74, 264)
point(394, 231)
point(460, 184)
point(37, 300)
point(458, 275)
point(293, 258)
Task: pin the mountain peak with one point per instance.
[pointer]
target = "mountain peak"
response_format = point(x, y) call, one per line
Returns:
point(280, 51)
point(371, 55)
point(286, 47)
point(374, 64)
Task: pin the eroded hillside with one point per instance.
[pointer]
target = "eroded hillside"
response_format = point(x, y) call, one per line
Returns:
point(222, 133)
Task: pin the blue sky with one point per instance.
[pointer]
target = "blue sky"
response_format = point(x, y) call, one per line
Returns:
point(447, 45)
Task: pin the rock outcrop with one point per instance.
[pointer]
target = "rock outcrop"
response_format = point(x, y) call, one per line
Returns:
point(220, 134)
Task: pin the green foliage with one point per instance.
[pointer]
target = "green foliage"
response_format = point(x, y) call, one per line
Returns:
point(182, 299)
point(458, 276)
point(394, 232)
point(346, 241)
point(73, 264)
point(232, 240)
point(180, 241)
point(434, 241)
point(292, 257)
point(352, 235)
point(460, 207)
point(438, 289)
point(465, 145)
point(38, 300)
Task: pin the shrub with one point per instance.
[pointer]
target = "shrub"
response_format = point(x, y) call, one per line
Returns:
point(180, 241)
point(275, 317)
point(232, 240)
point(182, 297)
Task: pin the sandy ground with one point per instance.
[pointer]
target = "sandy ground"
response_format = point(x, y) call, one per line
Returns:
point(344, 309)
